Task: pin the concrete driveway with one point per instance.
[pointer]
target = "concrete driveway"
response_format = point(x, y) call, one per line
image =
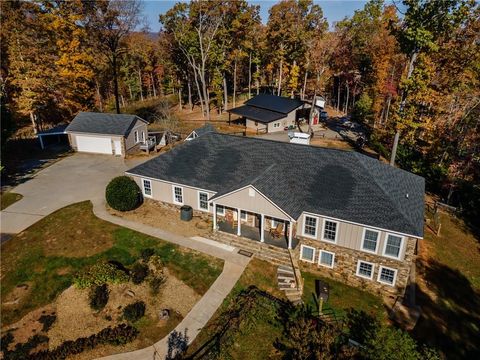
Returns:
point(76, 178)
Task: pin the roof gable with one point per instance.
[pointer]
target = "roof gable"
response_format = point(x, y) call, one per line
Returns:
point(103, 123)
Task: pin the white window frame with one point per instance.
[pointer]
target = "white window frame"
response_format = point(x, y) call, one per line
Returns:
point(143, 136)
point(143, 188)
point(337, 227)
point(301, 253)
point(199, 202)
point(317, 220)
point(223, 210)
point(363, 276)
point(363, 240)
point(275, 222)
point(380, 273)
point(173, 194)
point(243, 215)
point(137, 139)
point(402, 239)
point(320, 259)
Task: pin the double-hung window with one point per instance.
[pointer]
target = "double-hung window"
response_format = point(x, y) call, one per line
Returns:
point(370, 240)
point(326, 258)
point(307, 253)
point(203, 201)
point(220, 210)
point(365, 269)
point(393, 246)
point(178, 195)
point(330, 230)
point(310, 226)
point(387, 275)
point(147, 187)
point(243, 215)
point(136, 136)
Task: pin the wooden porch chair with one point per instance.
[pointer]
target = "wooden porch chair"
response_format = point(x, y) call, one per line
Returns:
point(276, 232)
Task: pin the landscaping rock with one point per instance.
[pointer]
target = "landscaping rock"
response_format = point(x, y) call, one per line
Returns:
point(129, 293)
point(164, 314)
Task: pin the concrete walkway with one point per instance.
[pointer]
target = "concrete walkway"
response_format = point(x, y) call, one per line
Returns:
point(204, 309)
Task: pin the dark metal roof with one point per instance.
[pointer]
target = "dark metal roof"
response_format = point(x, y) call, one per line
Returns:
point(257, 114)
point(103, 123)
point(334, 183)
point(274, 103)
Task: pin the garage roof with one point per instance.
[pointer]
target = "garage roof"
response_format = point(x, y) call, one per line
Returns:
point(103, 123)
point(258, 114)
point(274, 103)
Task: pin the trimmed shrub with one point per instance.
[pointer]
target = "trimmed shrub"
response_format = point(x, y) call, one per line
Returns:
point(123, 194)
point(156, 283)
point(98, 274)
point(118, 335)
point(47, 321)
point(134, 312)
point(99, 297)
point(138, 273)
point(147, 253)
point(22, 350)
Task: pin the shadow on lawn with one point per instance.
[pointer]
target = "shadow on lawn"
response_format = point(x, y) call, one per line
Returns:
point(450, 323)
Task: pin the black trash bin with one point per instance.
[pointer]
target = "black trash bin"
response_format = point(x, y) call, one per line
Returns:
point(186, 213)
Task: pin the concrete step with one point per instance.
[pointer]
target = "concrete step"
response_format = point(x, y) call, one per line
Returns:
point(286, 269)
point(285, 277)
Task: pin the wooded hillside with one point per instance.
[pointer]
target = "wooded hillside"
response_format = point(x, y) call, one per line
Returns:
point(416, 73)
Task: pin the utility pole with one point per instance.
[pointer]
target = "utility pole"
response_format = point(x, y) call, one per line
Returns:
point(394, 149)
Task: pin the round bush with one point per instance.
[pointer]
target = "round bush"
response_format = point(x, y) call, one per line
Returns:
point(99, 297)
point(123, 194)
point(134, 312)
point(138, 273)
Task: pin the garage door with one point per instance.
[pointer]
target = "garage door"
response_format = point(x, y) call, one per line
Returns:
point(100, 145)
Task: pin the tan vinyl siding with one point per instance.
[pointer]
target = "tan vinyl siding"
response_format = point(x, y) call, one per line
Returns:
point(349, 235)
point(163, 191)
point(130, 140)
point(257, 204)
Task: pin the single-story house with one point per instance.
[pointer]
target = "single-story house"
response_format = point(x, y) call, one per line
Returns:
point(200, 131)
point(269, 113)
point(340, 211)
point(102, 133)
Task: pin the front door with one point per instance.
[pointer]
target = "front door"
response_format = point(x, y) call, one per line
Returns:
point(117, 144)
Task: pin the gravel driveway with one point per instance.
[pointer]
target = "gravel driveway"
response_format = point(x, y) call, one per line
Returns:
point(76, 178)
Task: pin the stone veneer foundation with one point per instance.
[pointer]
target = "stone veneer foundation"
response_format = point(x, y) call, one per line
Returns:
point(345, 266)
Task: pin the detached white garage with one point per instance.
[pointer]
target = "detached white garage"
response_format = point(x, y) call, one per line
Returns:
point(112, 134)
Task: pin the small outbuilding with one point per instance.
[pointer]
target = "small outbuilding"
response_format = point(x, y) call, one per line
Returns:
point(102, 133)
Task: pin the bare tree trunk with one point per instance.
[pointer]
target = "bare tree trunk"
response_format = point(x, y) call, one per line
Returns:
point(225, 92)
point(388, 108)
point(100, 102)
point(180, 107)
point(279, 92)
point(123, 100)
point(153, 85)
point(199, 90)
point(338, 95)
point(140, 83)
point(115, 83)
point(304, 84)
point(257, 80)
point(130, 91)
point(33, 118)
point(234, 83)
point(345, 109)
point(190, 105)
point(250, 75)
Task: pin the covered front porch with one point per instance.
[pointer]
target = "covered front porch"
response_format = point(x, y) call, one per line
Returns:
point(258, 227)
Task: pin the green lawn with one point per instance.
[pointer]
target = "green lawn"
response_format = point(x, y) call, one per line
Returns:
point(343, 297)
point(449, 291)
point(47, 255)
point(9, 198)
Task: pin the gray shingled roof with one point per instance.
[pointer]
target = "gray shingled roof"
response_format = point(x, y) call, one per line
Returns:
point(334, 183)
point(204, 129)
point(103, 123)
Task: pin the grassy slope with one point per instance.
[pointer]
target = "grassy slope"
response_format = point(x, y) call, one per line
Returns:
point(449, 291)
point(49, 253)
point(256, 342)
point(9, 198)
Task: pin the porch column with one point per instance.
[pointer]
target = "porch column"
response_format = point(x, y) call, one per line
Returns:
point(262, 236)
point(214, 216)
point(41, 142)
point(290, 234)
point(239, 223)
